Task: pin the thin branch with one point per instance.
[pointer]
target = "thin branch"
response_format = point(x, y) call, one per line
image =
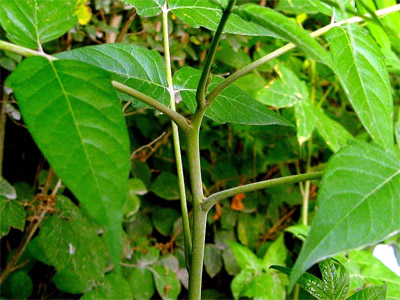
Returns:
point(22, 50)
point(179, 120)
point(247, 69)
point(209, 202)
point(127, 24)
point(206, 73)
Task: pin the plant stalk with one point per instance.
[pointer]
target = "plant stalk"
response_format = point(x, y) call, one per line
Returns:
point(250, 67)
point(206, 73)
point(177, 146)
point(251, 187)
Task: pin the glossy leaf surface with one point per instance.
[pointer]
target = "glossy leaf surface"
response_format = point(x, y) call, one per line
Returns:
point(359, 203)
point(138, 67)
point(233, 105)
point(30, 23)
point(72, 105)
point(370, 293)
point(147, 8)
point(359, 64)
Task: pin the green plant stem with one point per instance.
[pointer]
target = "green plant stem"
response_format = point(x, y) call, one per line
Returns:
point(251, 187)
point(306, 195)
point(180, 120)
point(3, 117)
point(177, 146)
point(250, 67)
point(206, 73)
point(6, 46)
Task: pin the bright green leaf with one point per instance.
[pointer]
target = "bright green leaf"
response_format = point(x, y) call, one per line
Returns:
point(370, 293)
point(30, 23)
point(12, 214)
point(113, 287)
point(246, 259)
point(212, 260)
point(297, 6)
point(72, 105)
point(359, 203)
point(167, 283)
point(266, 286)
point(135, 66)
point(147, 8)
point(141, 283)
point(335, 277)
point(359, 64)
point(232, 105)
point(276, 253)
point(300, 231)
point(6, 189)
point(288, 30)
point(241, 282)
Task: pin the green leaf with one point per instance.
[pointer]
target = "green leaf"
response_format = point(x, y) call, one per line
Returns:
point(300, 231)
point(336, 278)
point(249, 228)
point(136, 66)
point(276, 253)
point(297, 6)
point(232, 105)
point(147, 8)
point(241, 282)
point(113, 287)
point(146, 256)
point(6, 189)
point(167, 283)
point(30, 23)
point(212, 260)
point(72, 105)
point(370, 293)
point(70, 243)
point(164, 219)
point(374, 272)
point(266, 286)
point(166, 186)
point(141, 283)
point(12, 214)
point(359, 203)
point(21, 285)
point(360, 66)
point(286, 29)
point(245, 258)
point(71, 282)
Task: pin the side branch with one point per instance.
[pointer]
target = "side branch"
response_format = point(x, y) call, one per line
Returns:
point(250, 67)
point(22, 50)
point(179, 120)
point(209, 202)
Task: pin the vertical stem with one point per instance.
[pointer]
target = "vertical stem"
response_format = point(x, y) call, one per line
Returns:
point(3, 117)
point(177, 146)
point(199, 215)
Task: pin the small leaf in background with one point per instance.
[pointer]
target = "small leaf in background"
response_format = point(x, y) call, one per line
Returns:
point(353, 215)
point(371, 293)
point(167, 283)
point(166, 186)
point(146, 256)
point(276, 253)
point(21, 285)
point(233, 105)
point(141, 283)
point(6, 189)
point(83, 12)
point(12, 214)
point(245, 258)
point(113, 287)
point(249, 228)
point(212, 260)
point(164, 219)
point(30, 23)
point(70, 243)
point(266, 286)
point(300, 231)
point(77, 108)
point(133, 65)
point(359, 64)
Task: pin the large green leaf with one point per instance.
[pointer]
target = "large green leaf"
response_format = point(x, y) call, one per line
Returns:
point(286, 29)
point(232, 105)
point(141, 283)
point(370, 293)
point(246, 259)
point(359, 203)
point(147, 8)
point(167, 283)
point(361, 69)
point(12, 214)
point(113, 287)
point(33, 22)
point(135, 66)
point(70, 242)
point(75, 118)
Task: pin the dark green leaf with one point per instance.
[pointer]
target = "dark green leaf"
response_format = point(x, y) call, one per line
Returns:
point(72, 282)
point(232, 105)
point(113, 287)
point(370, 293)
point(286, 29)
point(12, 214)
point(360, 67)
point(72, 105)
point(136, 66)
point(167, 283)
point(359, 203)
point(164, 219)
point(166, 186)
point(21, 285)
point(212, 260)
point(141, 283)
point(33, 22)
